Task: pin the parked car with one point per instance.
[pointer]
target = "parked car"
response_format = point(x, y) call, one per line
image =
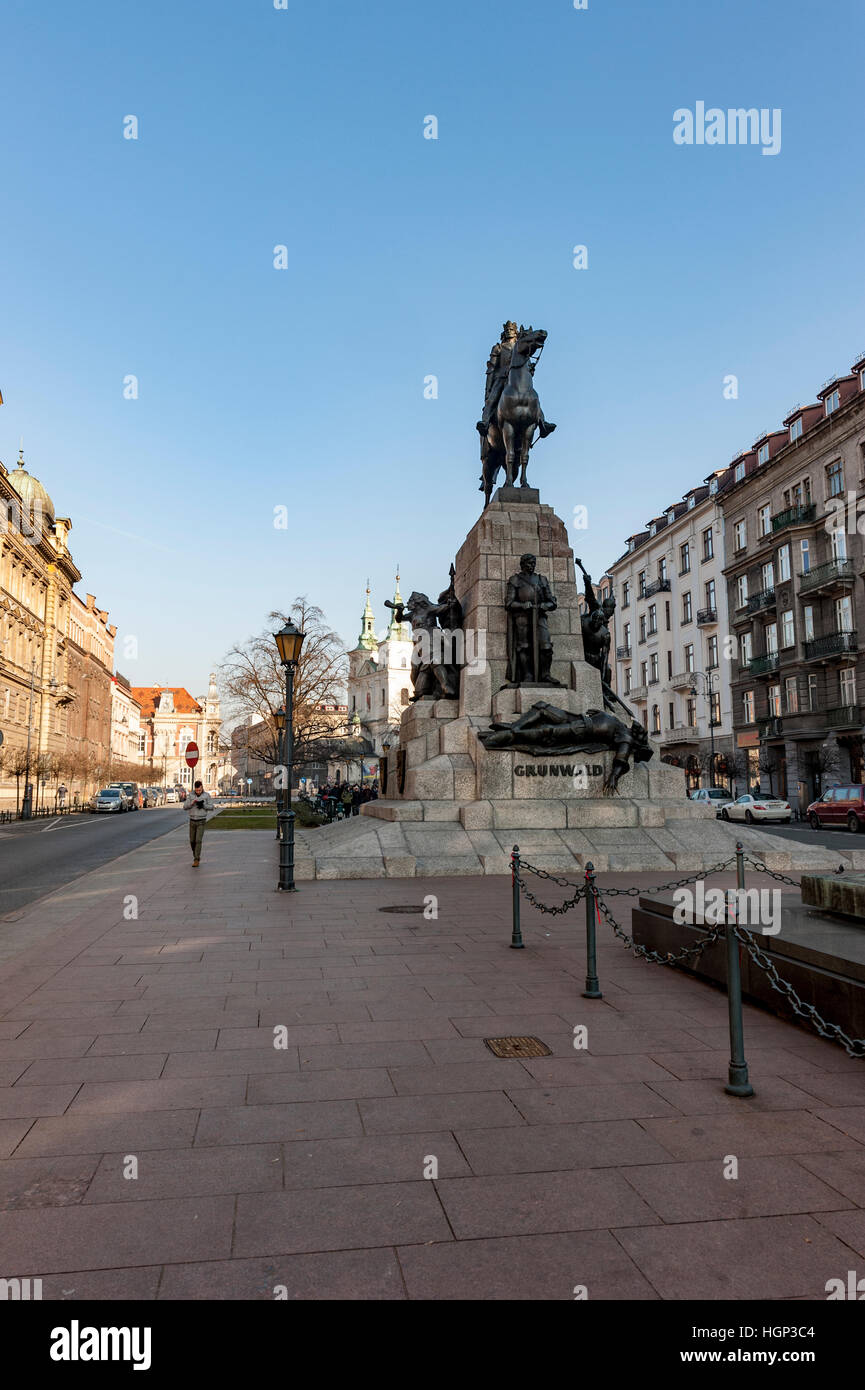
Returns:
point(149, 797)
point(839, 806)
point(111, 799)
point(757, 808)
point(716, 797)
point(121, 787)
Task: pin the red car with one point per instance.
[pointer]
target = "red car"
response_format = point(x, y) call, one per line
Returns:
point(839, 806)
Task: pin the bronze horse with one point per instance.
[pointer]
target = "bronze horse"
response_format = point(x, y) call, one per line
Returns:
point(514, 425)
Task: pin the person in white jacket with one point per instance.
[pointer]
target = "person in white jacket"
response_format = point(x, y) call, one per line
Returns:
point(197, 804)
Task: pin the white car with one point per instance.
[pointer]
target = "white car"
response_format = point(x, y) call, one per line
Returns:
point(716, 797)
point(757, 808)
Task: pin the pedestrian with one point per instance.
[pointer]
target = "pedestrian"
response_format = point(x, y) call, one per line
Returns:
point(355, 801)
point(197, 803)
point(345, 798)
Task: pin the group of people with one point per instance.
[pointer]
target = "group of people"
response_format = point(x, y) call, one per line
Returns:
point(341, 798)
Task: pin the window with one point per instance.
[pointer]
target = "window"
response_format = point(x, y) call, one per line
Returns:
point(689, 657)
point(642, 627)
point(767, 575)
point(791, 695)
point(641, 583)
point(708, 544)
point(142, 740)
point(667, 613)
point(771, 635)
point(847, 679)
point(763, 453)
point(796, 429)
point(644, 673)
point(805, 548)
point(843, 614)
point(839, 544)
point(686, 607)
point(685, 558)
point(627, 680)
point(626, 594)
point(740, 535)
point(834, 479)
point(653, 668)
point(672, 714)
point(744, 648)
point(764, 521)
point(656, 719)
point(741, 591)
point(788, 631)
point(653, 618)
point(662, 568)
point(712, 652)
point(382, 695)
point(774, 700)
point(783, 563)
point(627, 636)
point(713, 486)
point(669, 665)
point(692, 501)
point(652, 529)
point(808, 623)
point(739, 472)
point(403, 695)
point(691, 716)
point(812, 693)
point(715, 708)
point(833, 400)
point(748, 706)
point(710, 595)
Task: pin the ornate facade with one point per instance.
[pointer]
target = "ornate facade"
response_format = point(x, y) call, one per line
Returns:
point(379, 680)
point(170, 720)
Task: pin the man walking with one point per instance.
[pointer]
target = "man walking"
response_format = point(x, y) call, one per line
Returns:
point(197, 803)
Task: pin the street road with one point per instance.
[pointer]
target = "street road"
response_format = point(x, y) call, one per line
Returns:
point(40, 855)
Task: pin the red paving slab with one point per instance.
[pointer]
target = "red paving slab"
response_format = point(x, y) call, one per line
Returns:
point(303, 1084)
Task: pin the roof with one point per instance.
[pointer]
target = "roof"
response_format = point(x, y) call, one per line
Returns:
point(145, 696)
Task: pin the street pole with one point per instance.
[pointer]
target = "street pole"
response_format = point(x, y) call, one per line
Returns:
point(27, 806)
point(286, 815)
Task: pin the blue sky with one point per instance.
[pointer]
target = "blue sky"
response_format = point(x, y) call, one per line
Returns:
point(304, 387)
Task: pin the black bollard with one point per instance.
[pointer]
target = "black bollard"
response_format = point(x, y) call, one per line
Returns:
point(516, 935)
point(738, 1083)
point(593, 989)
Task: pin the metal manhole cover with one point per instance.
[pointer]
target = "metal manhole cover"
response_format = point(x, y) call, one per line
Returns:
point(518, 1047)
point(404, 907)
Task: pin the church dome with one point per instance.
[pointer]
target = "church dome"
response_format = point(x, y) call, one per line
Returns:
point(30, 490)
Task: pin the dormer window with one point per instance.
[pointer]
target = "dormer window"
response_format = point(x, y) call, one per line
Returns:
point(833, 400)
point(739, 473)
point(862, 380)
point(671, 517)
point(691, 503)
point(796, 429)
point(652, 529)
point(713, 486)
point(631, 545)
point(763, 454)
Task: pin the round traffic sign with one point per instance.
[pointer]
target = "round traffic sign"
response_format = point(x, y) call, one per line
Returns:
point(191, 754)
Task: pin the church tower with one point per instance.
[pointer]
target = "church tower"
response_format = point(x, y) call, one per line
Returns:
point(367, 642)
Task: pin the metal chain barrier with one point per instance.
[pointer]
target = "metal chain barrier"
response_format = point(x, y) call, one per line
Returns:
point(855, 1047)
point(562, 882)
point(773, 873)
point(658, 957)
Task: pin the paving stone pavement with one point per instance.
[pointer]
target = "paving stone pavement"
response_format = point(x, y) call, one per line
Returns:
point(139, 1010)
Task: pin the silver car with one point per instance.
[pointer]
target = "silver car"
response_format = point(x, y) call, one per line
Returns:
point(111, 799)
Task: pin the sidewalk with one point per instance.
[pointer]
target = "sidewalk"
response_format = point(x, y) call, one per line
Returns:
point(152, 1039)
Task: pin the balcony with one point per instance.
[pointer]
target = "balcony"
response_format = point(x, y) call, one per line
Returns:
point(706, 616)
point(637, 692)
point(685, 679)
point(763, 665)
point(764, 599)
point(831, 645)
point(660, 586)
point(623, 653)
point(844, 717)
point(834, 574)
point(680, 733)
point(771, 728)
point(794, 516)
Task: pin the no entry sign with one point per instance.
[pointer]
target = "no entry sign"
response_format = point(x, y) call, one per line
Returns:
point(191, 754)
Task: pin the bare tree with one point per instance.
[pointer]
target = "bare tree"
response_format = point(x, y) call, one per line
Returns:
point(253, 682)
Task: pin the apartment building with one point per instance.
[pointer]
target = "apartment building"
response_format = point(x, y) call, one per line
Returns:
point(793, 569)
point(670, 621)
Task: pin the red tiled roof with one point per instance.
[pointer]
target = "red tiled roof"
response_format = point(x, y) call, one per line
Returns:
point(145, 696)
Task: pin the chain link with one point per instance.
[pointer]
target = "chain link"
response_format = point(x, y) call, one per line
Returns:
point(855, 1047)
point(562, 882)
point(773, 873)
point(658, 957)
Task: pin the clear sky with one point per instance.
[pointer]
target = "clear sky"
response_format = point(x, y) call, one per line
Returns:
point(304, 387)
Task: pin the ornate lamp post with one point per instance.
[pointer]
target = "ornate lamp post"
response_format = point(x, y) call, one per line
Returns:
point(289, 641)
point(709, 677)
point(279, 721)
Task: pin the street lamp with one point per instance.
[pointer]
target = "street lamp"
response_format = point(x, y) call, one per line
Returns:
point(289, 641)
point(709, 677)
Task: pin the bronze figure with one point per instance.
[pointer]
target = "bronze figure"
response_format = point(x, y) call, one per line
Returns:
point(528, 600)
point(512, 411)
point(546, 729)
point(436, 659)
